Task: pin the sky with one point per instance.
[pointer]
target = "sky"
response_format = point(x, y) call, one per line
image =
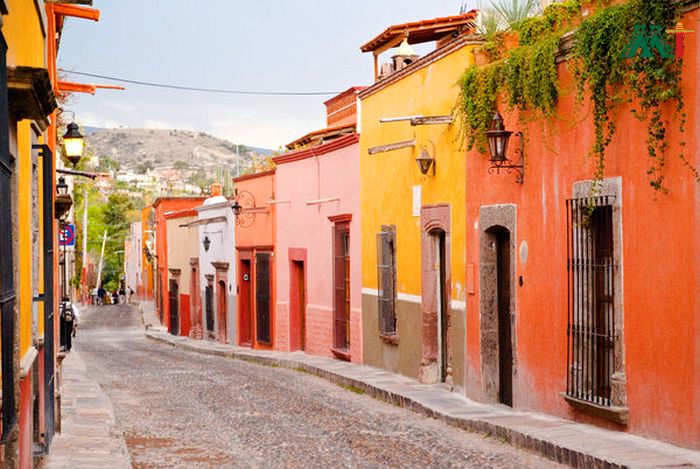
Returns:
point(263, 45)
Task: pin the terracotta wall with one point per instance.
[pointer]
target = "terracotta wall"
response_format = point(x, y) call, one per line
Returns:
point(660, 266)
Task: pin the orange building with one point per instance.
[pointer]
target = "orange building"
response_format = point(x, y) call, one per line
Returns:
point(255, 256)
point(585, 304)
point(161, 207)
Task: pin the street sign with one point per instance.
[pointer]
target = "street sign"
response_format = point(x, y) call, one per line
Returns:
point(66, 237)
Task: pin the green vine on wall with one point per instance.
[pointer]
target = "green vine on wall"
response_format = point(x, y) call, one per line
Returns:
point(528, 80)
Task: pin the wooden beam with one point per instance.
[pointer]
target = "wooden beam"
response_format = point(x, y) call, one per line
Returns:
point(391, 147)
point(75, 11)
point(73, 2)
point(393, 43)
point(431, 120)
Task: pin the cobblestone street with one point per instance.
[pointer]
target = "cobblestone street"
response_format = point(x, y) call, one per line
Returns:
point(178, 408)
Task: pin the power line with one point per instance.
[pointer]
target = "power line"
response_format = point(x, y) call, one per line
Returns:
point(206, 90)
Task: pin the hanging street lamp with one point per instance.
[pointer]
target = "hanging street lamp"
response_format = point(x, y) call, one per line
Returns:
point(206, 243)
point(73, 141)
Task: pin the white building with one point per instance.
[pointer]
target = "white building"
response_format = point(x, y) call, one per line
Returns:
point(132, 258)
point(217, 267)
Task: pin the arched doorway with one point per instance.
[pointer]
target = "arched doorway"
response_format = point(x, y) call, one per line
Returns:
point(436, 354)
point(497, 302)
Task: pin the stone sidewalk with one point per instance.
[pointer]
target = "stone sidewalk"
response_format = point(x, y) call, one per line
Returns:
point(88, 438)
point(575, 444)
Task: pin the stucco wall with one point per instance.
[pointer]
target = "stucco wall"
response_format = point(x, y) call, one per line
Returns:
point(183, 245)
point(660, 265)
point(301, 226)
point(387, 182)
point(221, 249)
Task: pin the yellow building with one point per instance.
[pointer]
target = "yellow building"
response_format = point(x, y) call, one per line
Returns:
point(28, 225)
point(412, 203)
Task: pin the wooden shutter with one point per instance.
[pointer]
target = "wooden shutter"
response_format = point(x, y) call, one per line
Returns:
point(386, 268)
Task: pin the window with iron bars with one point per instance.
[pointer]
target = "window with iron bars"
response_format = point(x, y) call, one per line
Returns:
point(591, 299)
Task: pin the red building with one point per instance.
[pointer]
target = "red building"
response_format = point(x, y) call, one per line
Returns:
point(581, 303)
point(255, 256)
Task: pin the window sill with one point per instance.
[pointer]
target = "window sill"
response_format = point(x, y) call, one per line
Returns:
point(391, 339)
point(613, 413)
point(341, 353)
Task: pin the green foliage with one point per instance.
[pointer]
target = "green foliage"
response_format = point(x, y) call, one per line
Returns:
point(527, 77)
point(555, 18)
point(514, 12)
point(477, 101)
point(490, 23)
point(108, 164)
point(143, 168)
point(647, 83)
point(181, 165)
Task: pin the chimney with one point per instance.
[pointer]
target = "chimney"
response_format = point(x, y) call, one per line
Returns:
point(215, 189)
point(342, 108)
point(404, 56)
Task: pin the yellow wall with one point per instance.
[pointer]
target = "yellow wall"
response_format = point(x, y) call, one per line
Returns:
point(23, 33)
point(387, 178)
point(24, 218)
point(26, 47)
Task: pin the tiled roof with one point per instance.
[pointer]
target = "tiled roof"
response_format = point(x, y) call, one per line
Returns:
point(422, 31)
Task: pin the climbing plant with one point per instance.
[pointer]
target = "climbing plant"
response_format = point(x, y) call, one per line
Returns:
point(527, 76)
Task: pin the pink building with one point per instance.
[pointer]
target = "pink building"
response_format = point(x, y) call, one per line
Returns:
point(318, 278)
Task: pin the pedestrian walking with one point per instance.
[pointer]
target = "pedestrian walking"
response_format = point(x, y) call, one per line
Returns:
point(101, 292)
point(68, 323)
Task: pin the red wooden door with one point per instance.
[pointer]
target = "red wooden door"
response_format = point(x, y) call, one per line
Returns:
point(245, 325)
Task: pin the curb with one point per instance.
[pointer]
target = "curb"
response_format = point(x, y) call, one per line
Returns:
point(548, 449)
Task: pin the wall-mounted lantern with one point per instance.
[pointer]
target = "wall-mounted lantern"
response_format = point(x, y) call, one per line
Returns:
point(73, 141)
point(61, 186)
point(498, 138)
point(206, 243)
point(63, 201)
point(425, 160)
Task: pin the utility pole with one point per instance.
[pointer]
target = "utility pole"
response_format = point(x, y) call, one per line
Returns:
point(102, 256)
point(238, 170)
point(84, 282)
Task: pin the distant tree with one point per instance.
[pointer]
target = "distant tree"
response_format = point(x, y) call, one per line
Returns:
point(108, 164)
point(143, 168)
point(181, 165)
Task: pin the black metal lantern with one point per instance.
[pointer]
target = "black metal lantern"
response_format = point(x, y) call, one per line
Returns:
point(206, 243)
point(425, 161)
point(498, 138)
point(236, 207)
point(73, 142)
point(61, 186)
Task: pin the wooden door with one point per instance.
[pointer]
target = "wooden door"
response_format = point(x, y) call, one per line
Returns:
point(174, 304)
point(341, 280)
point(222, 311)
point(245, 335)
point(505, 344)
point(442, 302)
point(209, 308)
point(297, 317)
point(262, 297)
